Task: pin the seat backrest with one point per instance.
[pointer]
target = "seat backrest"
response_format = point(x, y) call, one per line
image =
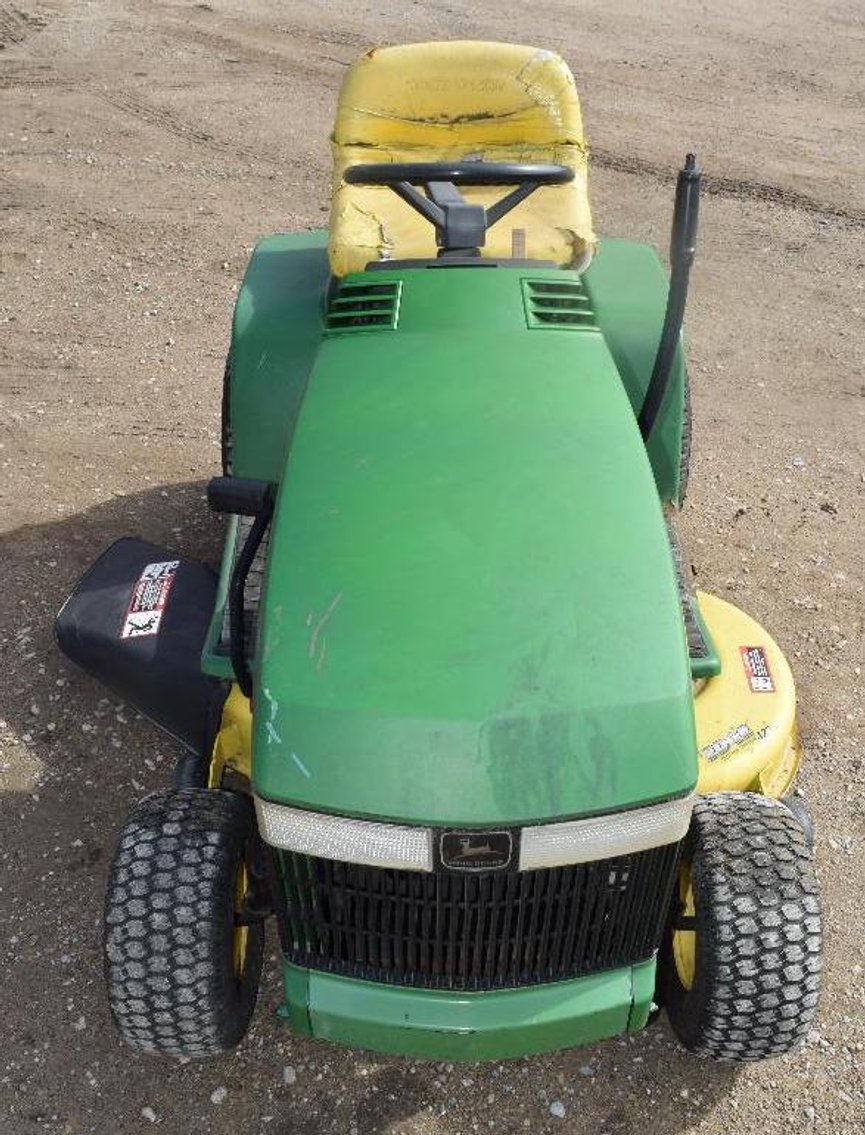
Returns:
point(445, 102)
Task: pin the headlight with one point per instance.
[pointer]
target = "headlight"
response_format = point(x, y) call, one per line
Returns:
point(411, 848)
point(353, 841)
point(603, 837)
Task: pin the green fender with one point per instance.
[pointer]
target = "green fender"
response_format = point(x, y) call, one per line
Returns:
point(278, 321)
point(628, 288)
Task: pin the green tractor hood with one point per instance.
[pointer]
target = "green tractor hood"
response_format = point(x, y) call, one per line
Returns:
point(471, 615)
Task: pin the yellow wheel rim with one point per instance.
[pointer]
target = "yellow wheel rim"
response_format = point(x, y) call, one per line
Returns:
point(241, 933)
point(685, 941)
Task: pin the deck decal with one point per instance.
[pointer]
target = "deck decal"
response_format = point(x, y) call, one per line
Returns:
point(148, 599)
point(732, 739)
point(757, 669)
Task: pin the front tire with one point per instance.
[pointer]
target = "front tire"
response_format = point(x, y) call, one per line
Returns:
point(182, 967)
point(740, 969)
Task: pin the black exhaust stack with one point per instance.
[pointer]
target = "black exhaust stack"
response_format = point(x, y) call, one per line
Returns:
point(683, 246)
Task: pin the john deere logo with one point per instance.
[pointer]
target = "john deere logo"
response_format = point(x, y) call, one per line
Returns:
point(476, 851)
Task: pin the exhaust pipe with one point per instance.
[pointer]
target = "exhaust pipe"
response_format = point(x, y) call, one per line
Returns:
point(683, 246)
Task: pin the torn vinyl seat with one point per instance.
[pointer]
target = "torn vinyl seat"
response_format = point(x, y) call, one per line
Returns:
point(435, 102)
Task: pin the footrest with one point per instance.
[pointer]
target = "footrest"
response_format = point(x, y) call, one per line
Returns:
point(705, 662)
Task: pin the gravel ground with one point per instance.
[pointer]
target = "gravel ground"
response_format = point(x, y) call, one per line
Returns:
point(145, 146)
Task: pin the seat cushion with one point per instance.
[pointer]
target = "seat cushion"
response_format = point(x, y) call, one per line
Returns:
point(446, 102)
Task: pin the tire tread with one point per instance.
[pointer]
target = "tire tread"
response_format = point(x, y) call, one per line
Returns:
point(758, 932)
point(168, 924)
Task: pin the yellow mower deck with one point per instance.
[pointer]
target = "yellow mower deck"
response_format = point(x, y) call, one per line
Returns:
point(746, 717)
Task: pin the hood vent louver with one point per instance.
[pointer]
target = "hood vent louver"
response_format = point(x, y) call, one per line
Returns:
point(364, 307)
point(558, 305)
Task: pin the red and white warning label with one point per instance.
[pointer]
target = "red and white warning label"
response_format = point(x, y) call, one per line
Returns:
point(757, 669)
point(148, 599)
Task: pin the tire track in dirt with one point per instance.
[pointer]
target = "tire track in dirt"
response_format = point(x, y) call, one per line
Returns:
point(30, 79)
point(240, 50)
point(12, 194)
point(168, 121)
point(16, 25)
point(740, 189)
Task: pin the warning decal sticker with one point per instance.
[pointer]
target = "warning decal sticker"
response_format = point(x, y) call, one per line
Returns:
point(757, 669)
point(148, 599)
point(732, 739)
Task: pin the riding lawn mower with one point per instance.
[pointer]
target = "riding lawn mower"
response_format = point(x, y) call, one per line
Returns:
point(453, 714)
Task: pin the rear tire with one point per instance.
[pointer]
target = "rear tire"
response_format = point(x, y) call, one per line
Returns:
point(182, 977)
point(753, 986)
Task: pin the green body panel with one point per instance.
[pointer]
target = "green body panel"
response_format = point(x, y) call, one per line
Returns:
point(644, 981)
point(470, 613)
point(278, 326)
point(628, 288)
point(275, 337)
point(436, 1025)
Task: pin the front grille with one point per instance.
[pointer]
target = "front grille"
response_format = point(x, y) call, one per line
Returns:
point(471, 932)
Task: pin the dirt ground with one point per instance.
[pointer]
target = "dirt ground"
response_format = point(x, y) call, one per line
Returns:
point(145, 146)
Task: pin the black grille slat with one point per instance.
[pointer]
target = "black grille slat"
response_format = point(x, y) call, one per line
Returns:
point(530, 944)
point(481, 931)
point(414, 893)
point(501, 969)
point(561, 909)
point(577, 931)
point(496, 885)
point(619, 930)
point(454, 914)
point(519, 922)
point(601, 921)
point(468, 915)
point(554, 886)
point(641, 912)
point(607, 929)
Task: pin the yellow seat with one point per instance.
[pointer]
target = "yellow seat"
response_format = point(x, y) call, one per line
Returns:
point(447, 102)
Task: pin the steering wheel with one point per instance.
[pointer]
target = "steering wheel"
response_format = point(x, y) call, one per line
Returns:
point(460, 226)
